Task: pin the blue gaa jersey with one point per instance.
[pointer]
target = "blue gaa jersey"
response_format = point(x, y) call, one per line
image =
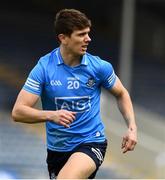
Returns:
point(75, 89)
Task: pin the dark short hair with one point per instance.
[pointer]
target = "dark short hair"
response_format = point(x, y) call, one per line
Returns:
point(68, 20)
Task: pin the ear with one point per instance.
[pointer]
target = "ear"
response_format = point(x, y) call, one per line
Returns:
point(62, 38)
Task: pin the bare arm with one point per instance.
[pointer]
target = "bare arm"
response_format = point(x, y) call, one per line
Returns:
point(125, 106)
point(24, 111)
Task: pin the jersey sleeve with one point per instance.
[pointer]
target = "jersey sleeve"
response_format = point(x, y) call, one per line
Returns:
point(108, 76)
point(35, 81)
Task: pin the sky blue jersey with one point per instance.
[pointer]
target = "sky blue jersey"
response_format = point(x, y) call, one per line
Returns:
point(75, 89)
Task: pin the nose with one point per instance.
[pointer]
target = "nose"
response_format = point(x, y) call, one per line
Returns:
point(87, 38)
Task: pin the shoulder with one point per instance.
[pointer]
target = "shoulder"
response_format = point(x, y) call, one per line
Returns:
point(97, 62)
point(92, 58)
point(47, 58)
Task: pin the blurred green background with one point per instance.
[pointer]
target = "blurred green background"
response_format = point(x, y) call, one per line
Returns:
point(128, 33)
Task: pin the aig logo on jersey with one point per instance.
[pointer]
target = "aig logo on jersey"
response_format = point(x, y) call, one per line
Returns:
point(55, 83)
point(77, 104)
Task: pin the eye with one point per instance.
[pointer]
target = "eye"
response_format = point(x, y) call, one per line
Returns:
point(82, 34)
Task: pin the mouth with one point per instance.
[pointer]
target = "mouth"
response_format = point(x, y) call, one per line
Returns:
point(84, 47)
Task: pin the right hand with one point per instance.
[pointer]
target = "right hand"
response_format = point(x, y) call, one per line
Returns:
point(63, 117)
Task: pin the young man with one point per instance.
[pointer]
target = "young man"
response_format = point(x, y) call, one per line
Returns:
point(69, 82)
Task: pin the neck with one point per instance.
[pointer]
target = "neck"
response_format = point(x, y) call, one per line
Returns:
point(69, 58)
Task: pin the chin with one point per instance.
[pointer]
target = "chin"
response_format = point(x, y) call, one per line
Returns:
point(82, 53)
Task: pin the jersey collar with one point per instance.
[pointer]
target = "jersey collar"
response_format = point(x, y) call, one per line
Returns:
point(84, 60)
point(60, 60)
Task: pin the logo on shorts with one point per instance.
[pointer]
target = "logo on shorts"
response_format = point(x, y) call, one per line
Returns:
point(98, 154)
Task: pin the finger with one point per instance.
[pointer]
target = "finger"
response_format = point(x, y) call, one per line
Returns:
point(124, 142)
point(65, 120)
point(125, 145)
point(68, 116)
point(72, 114)
point(125, 149)
point(129, 146)
point(129, 143)
point(133, 145)
point(65, 124)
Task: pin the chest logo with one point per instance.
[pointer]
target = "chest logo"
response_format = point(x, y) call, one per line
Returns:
point(91, 82)
point(77, 104)
point(55, 83)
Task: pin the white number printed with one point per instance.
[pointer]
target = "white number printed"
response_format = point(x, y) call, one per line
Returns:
point(73, 85)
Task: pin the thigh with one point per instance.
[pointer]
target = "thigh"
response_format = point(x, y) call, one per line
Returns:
point(78, 166)
point(85, 161)
point(95, 150)
point(56, 160)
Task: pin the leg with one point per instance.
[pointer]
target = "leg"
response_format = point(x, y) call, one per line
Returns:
point(78, 166)
point(56, 161)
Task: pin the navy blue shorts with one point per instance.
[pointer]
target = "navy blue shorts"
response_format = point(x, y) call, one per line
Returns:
point(56, 160)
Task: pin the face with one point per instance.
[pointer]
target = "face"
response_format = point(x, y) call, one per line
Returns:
point(78, 42)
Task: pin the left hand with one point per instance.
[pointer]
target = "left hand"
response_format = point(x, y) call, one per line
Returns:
point(129, 140)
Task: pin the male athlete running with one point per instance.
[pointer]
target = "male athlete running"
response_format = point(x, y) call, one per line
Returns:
point(69, 81)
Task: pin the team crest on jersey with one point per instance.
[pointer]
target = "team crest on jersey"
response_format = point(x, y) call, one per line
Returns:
point(91, 82)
